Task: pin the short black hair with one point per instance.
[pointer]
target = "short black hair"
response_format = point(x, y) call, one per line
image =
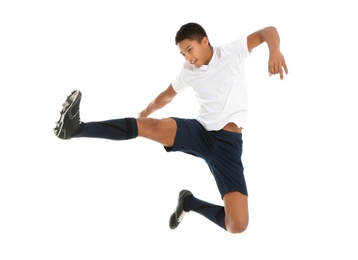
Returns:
point(191, 31)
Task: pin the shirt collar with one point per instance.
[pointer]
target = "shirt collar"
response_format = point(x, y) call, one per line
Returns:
point(212, 61)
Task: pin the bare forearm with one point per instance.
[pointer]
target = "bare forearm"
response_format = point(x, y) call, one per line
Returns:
point(277, 63)
point(160, 101)
point(271, 37)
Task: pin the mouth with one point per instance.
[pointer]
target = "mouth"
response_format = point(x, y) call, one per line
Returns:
point(192, 62)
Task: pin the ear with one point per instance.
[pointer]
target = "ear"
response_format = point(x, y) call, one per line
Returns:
point(205, 40)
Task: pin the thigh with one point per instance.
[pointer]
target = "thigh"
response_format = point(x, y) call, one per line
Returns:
point(226, 165)
point(160, 130)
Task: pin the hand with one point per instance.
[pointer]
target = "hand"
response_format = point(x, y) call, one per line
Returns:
point(276, 63)
point(142, 114)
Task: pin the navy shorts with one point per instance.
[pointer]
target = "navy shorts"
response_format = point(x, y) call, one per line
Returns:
point(221, 150)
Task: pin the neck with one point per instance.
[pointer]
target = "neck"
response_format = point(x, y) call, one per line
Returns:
point(210, 56)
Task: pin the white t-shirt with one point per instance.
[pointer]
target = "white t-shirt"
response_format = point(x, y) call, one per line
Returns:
point(220, 86)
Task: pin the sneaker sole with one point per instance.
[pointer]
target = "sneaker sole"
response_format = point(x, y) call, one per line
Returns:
point(174, 221)
point(73, 100)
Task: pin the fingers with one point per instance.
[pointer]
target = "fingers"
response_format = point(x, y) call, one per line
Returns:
point(142, 114)
point(278, 68)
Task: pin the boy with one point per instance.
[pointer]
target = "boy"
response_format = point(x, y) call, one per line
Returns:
point(216, 74)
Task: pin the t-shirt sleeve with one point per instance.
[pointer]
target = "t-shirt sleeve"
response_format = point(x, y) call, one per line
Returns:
point(178, 83)
point(238, 47)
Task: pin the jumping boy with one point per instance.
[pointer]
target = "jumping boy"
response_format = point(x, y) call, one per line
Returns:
point(216, 75)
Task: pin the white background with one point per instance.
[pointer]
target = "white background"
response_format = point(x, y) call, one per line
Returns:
point(100, 199)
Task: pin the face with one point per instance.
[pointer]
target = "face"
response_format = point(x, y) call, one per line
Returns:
point(197, 53)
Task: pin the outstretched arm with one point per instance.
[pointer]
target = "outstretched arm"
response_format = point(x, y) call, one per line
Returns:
point(277, 63)
point(160, 101)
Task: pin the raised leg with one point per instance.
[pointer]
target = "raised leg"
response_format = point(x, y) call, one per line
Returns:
point(160, 130)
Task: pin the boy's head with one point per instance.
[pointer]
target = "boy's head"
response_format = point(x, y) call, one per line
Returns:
point(190, 31)
point(194, 44)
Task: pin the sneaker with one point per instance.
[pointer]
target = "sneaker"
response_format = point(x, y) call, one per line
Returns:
point(179, 213)
point(69, 121)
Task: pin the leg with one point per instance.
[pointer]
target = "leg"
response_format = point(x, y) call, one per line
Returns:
point(160, 130)
point(236, 211)
point(69, 125)
point(224, 160)
point(233, 217)
point(187, 202)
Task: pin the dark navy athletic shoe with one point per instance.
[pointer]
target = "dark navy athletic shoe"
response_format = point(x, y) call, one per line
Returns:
point(179, 213)
point(69, 121)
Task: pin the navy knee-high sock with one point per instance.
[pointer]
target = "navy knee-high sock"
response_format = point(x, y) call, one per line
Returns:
point(115, 129)
point(212, 212)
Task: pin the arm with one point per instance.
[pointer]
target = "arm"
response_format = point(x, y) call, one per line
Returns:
point(160, 101)
point(272, 38)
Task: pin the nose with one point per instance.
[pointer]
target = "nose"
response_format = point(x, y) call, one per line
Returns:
point(187, 57)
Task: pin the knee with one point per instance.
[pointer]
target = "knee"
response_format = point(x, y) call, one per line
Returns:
point(237, 226)
point(147, 126)
point(147, 123)
point(151, 124)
